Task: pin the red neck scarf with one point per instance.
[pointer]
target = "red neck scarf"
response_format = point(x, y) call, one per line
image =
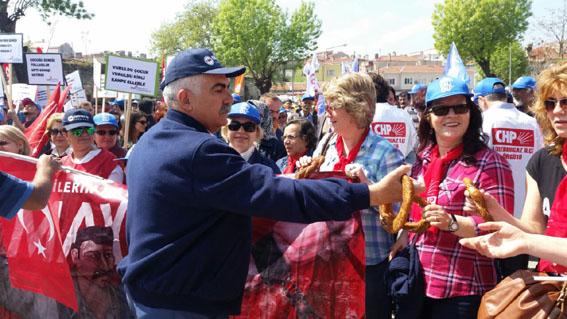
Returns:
point(290, 168)
point(432, 178)
point(557, 220)
point(344, 160)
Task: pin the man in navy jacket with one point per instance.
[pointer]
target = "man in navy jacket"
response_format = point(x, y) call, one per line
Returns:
point(191, 199)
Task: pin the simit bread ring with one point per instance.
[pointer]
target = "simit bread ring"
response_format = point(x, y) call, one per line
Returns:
point(392, 223)
point(306, 171)
point(478, 199)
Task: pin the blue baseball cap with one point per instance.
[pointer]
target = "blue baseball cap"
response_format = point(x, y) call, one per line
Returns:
point(416, 88)
point(524, 82)
point(194, 62)
point(74, 118)
point(105, 118)
point(446, 86)
point(28, 101)
point(236, 98)
point(118, 102)
point(246, 110)
point(488, 86)
point(282, 109)
point(307, 97)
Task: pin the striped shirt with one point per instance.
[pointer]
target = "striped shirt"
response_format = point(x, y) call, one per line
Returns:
point(450, 269)
point(378, 157)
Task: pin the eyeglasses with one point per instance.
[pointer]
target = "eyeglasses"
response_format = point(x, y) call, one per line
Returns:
point(143, 122)
point(442, 110)
point(550, 104)
point(103, 132)
point(55, 131)
point(248, 126)
point(290, 137)
point(79, 131)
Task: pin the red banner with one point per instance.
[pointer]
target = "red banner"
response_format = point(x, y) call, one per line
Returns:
point(305, 270)
point(69, 250)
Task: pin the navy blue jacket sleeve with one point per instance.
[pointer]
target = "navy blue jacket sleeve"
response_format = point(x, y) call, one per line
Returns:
point(13, 194)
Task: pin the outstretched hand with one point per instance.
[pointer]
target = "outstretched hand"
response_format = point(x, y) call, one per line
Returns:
point(505, 241)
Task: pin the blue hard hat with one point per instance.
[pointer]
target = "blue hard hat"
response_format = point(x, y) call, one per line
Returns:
point(446, 86)
point(524, 82)
point(416, 88)
point(246, 110)
point(307, 97)
point(236, 98)
point(105, 118)
point(488, 86)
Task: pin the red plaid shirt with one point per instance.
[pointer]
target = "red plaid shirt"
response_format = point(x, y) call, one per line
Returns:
point(450, 269)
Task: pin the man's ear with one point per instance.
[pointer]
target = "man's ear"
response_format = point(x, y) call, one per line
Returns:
point(185, 98)
point(74, 255)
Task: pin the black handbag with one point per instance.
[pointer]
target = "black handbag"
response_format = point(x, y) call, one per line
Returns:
point(405, 282)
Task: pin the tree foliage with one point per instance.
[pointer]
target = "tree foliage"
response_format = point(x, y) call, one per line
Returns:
point(500, 63)
point(191, 29)
point(261, 36)
point(12, 11)
point(479, 27)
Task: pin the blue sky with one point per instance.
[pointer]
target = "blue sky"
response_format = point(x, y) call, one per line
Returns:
point(366, 26)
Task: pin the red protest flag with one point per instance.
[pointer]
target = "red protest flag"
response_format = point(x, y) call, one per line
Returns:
point(36, 131)
point(33, 246)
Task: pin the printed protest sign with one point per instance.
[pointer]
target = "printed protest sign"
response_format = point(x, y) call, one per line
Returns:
point(20, 91)
point(44, 68)
point(131, 75)
point(74, 81)
point(11, 48)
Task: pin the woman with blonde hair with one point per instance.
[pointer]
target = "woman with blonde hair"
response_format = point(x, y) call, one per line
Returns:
point(13, 140)
point(59, 145)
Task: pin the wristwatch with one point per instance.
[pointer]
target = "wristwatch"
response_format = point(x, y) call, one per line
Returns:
point(453, 225)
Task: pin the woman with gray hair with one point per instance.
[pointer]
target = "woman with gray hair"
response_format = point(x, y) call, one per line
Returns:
point(352, 147)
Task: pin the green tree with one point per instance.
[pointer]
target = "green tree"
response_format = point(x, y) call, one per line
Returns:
point(500, 63)
point(261, 36)
point(12, 11)
point(479, 27)
point(191, 29)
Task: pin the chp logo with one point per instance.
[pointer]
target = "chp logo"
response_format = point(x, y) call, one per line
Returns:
point(389, 129)
point(446, 85)
point(512, 137)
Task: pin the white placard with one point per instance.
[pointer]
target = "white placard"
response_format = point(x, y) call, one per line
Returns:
point(45, 68)
point(79, 97)
point(124, 96)
point(131, 75)
point(98, 80)
point(11, 48)
point(41, 97)
point(20, 91)
point(74, 81)
point(101, 92)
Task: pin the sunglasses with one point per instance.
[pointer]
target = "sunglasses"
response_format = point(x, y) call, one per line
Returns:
point(550, 104)
point(103, 132)
point(143, 122)
point(4, 142)
point(442, 110)
point(55, 131)
point(248, 126)
point(79, 131)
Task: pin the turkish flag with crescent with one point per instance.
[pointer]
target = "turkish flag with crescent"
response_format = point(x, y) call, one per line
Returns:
point(33, 247)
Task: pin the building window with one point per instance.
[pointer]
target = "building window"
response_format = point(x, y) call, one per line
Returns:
point(408, 81)
point(330, 72)
point(392, 81)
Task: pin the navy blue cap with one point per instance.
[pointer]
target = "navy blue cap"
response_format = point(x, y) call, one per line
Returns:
point(246, 110)
point(105, 118)
point(488, 86)
point(196, 61)
point(74, 118)
point(446, 86)
point(524, 82)
point(236, 98)
point(307, 97)
point(416, 88)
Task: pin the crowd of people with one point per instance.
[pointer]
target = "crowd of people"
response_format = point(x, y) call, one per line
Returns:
point(214, 158)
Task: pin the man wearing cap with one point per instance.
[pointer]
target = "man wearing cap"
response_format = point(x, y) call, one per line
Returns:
point(392, 123)
point(106, 134)
point(30, 112)
point(513, 134)
point(79, 127)
point(307, 109)
point(189, 214)
point(523, 92)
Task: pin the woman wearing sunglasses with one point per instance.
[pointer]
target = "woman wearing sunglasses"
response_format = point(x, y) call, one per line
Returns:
point(138, 126)
point(106, 134)
point(243, 132)
point(12, 140)
point(546, 181)
point(58, 146)
point(452, 148)
point(85, 156)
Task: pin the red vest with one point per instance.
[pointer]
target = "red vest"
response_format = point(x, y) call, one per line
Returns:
point(102, 164)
